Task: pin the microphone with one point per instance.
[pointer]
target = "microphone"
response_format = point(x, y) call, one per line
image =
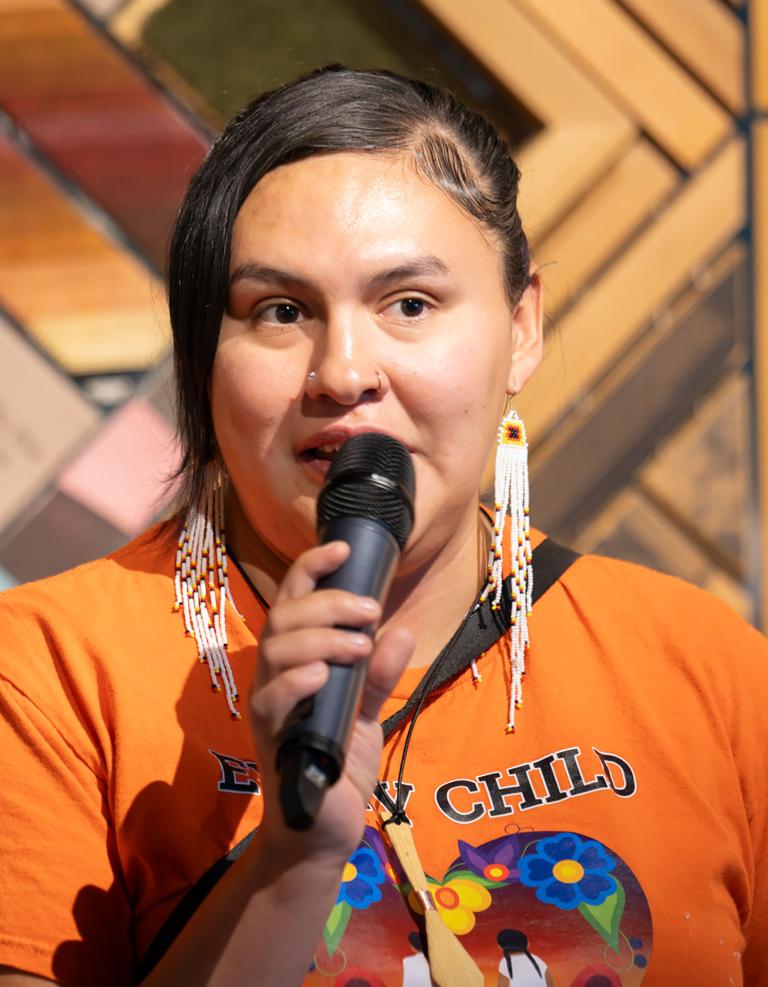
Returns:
point(366, 501)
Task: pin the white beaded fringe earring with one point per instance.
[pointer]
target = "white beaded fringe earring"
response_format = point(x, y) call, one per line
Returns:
point(512, 497)
point(202, 584)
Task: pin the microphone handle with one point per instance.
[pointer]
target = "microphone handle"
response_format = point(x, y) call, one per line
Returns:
point(314, 738)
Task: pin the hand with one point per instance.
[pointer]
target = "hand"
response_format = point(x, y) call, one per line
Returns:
point(301, 635)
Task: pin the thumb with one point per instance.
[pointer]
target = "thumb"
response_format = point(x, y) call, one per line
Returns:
point(390, 657)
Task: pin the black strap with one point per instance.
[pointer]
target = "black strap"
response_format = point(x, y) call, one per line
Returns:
point(483, 628)
point(480, 631)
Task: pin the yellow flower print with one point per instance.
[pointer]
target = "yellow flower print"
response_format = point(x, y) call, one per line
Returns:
point(457, 901)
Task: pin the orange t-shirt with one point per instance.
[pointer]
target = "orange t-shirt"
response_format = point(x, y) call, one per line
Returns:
point(620, 832)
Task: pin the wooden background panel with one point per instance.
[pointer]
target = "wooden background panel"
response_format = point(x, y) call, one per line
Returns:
point(758, 27)
point(708, 212)
point(522, 57)
point(99, 119)
point(561, 165)
point(760, 300)
point(583, 133)
point(653, 88)
point(702, 475)
point(654, 389)
point(92, 306)
point(633, 528)
point(602, 221)
point(44, 419)
point(706, 36)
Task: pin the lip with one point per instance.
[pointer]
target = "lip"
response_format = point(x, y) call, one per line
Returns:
point(336, 435)
point(339, 434)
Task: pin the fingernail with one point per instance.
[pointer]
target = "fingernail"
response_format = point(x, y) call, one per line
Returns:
point(369, 605)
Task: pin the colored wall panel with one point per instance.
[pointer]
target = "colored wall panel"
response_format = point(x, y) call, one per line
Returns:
point(43, 419)
point(94, 307)
point(702, 472)
point(97, 117)
point(122, 475)
point(63, 534)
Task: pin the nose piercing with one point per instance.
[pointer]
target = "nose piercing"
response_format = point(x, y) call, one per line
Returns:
point(313, 374)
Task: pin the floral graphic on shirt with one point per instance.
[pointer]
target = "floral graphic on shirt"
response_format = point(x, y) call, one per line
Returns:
point(457, 899)
point(573, 873)
point(496, 861)
point(360, 887)
point(361, 879)
point(567, 871)
point(579, 906)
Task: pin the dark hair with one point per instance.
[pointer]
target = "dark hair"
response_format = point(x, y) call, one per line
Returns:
point(514, 941)
point(332, 109)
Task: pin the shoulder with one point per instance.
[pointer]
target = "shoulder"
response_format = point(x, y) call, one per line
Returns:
point(666, 623)
point(632, 592)
point(67, 631)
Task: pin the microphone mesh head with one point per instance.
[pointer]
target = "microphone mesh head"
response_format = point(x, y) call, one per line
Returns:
point(371, 476)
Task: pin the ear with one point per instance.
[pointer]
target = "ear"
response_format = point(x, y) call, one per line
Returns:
point(528, 330)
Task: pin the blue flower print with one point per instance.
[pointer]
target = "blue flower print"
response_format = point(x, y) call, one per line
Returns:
point(361, 880)
point(568, 871)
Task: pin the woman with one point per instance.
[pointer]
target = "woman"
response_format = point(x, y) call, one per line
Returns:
point(518, 965)
point(350, 258)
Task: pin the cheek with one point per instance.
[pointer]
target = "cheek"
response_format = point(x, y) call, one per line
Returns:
point(458, 394)
point(248, 400)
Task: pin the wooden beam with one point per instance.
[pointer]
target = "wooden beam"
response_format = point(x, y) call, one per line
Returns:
point(655, 386)
point(86, 301)
point(602, 221)
point(758, 31)
point(634, 522)
point(584, 132)
point(709, 211)
point(760, 330)
point(706, 36)
point(654, 90)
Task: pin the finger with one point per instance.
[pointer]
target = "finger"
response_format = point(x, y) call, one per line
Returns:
point(390, 658)
point(271, 704)
point(327, 608)
point(314, 644)
point(310, 566)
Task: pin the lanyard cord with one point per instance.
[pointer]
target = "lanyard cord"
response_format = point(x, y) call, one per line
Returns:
point(396, 806)
point(482, 627)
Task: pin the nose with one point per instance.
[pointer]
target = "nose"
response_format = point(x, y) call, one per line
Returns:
point(344, 367)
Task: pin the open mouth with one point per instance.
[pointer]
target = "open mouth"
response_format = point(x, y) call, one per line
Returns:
point(323, 453)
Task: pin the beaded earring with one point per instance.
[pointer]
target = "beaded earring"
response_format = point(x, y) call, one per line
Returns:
point(512, 497)
point(202, 584)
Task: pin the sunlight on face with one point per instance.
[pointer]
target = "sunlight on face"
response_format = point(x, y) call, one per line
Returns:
point(355, 268)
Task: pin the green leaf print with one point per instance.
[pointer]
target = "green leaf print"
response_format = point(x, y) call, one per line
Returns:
point(605, 919)
point(336, 926)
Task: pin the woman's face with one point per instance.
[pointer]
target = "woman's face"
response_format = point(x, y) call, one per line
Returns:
point(362, 298)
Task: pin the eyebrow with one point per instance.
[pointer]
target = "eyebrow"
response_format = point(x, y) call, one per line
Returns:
point(418, 267)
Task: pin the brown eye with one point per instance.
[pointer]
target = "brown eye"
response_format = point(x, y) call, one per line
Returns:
point(278, 313)
point(286, 313)
point(412, 306)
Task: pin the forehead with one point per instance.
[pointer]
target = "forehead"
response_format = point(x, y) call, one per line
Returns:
point(354, 207)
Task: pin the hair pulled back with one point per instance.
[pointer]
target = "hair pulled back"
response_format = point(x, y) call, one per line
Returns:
point(333, 109)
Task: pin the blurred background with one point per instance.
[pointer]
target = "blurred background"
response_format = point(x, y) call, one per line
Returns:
point(639, 128)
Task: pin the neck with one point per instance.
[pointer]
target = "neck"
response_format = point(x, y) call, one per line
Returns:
point(263, 566)
point(433, 596)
